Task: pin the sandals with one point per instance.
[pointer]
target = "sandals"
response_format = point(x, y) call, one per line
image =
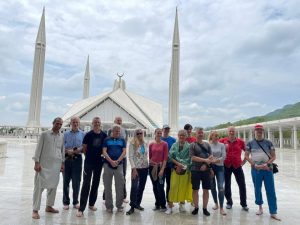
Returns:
point(50, 209)
point(35, 215)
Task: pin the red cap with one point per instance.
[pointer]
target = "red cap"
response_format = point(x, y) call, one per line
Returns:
point(258, 126)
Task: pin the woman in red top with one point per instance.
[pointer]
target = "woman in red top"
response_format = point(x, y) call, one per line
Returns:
point(158, 156)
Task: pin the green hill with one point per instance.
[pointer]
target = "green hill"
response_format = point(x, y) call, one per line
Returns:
point(287, 111)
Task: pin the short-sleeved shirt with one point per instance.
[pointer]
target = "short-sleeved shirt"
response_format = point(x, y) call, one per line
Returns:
point(170, 141)
point(94, 142)
point(114, 147)
point(202, 150)
point(233, 152)
point(158, 152)
point(191, 139)
point(257, 154)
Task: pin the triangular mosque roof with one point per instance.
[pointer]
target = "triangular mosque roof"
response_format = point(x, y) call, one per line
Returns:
point(147, 112)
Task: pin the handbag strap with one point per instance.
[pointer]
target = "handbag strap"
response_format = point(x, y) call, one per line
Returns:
point(263, 149)
point(203, 148)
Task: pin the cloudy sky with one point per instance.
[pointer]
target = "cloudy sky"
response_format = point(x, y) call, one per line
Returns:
point(238, 58)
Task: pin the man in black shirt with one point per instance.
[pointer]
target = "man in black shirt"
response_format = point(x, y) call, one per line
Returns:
point(92, 148)
point(201, 156)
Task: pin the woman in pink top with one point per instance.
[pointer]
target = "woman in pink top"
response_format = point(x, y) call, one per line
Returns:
point(158, 156)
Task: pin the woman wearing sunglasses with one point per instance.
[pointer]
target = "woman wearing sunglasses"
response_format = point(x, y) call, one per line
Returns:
point(138, 158)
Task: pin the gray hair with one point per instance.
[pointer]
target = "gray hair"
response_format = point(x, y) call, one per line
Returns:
point(182, 132)
point(115, 127)
point(74, 118)
point(198, 128)
point(96, 118)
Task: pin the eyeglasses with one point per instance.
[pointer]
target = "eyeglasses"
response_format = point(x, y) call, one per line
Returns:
point(139, 133)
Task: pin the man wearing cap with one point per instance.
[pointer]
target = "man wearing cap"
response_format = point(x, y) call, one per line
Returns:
point(170, 141)
point(263, 155)
point(233, 164)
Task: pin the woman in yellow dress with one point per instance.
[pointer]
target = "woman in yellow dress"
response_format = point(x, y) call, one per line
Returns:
point(181, 187)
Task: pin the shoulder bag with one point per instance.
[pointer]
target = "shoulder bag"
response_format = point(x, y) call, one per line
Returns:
point(274, 165)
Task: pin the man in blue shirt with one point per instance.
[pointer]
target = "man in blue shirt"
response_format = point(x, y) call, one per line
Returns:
point(114, 151)
point(123, 134)
point(170, 141)
point(73, 162)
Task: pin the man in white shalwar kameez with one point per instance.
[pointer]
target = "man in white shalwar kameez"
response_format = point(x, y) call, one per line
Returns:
point(49, 158)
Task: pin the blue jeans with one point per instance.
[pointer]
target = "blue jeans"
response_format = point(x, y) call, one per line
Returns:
point(258, 176)
point(158, 189)
point(219, 176)
point(137, 187)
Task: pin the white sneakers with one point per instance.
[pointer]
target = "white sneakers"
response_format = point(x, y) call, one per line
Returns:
point(182, 208)
point(168, 211)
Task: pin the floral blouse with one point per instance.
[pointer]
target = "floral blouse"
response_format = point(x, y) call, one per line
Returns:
point(138, 158)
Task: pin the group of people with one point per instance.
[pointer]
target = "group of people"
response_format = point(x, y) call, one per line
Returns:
point(183, 164)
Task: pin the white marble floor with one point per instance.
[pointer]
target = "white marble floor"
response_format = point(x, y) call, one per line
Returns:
point(16, 179)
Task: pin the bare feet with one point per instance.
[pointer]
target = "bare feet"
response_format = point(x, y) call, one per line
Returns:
point(93, 208)
point(259, 212)
point(76, 206)
point(125, 200)
point(79, 214)
point(215, 207)
point(222, 212)
point(35, 215)
point(274, 216)
point(50, 209)
point(66, 207)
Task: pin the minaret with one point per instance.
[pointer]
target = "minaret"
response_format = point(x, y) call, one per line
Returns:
point(37, 76)
point(174, 80)
point(86, 82)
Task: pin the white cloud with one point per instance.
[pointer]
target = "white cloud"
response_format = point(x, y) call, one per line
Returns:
point(238, 58)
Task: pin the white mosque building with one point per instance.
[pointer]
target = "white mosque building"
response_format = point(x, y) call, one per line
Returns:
point(136, 111)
